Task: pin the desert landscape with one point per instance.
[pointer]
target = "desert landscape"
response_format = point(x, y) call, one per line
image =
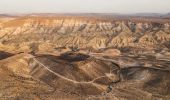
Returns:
point(84, 57)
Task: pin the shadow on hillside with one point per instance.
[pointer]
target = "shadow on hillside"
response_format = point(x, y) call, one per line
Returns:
point(68, 57)
point(4, 55)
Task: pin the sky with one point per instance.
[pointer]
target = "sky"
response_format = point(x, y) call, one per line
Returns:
point(85, 6)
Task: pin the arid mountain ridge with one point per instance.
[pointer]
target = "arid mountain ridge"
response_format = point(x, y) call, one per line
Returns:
point(84, 32)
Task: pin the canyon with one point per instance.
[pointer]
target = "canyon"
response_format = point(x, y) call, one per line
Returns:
point(84, 57)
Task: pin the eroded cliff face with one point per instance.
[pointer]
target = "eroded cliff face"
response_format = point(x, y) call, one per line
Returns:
point(19, 33)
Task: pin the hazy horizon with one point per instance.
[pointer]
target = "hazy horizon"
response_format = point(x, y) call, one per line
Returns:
point(82, 6)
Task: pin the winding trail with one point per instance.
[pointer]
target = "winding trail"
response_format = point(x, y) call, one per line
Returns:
point(63, 77)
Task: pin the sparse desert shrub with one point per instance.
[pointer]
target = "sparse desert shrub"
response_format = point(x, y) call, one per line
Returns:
point(34, 47)
point(74, 48)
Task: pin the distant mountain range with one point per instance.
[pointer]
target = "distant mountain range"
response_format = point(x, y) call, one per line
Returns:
point(167, 15)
